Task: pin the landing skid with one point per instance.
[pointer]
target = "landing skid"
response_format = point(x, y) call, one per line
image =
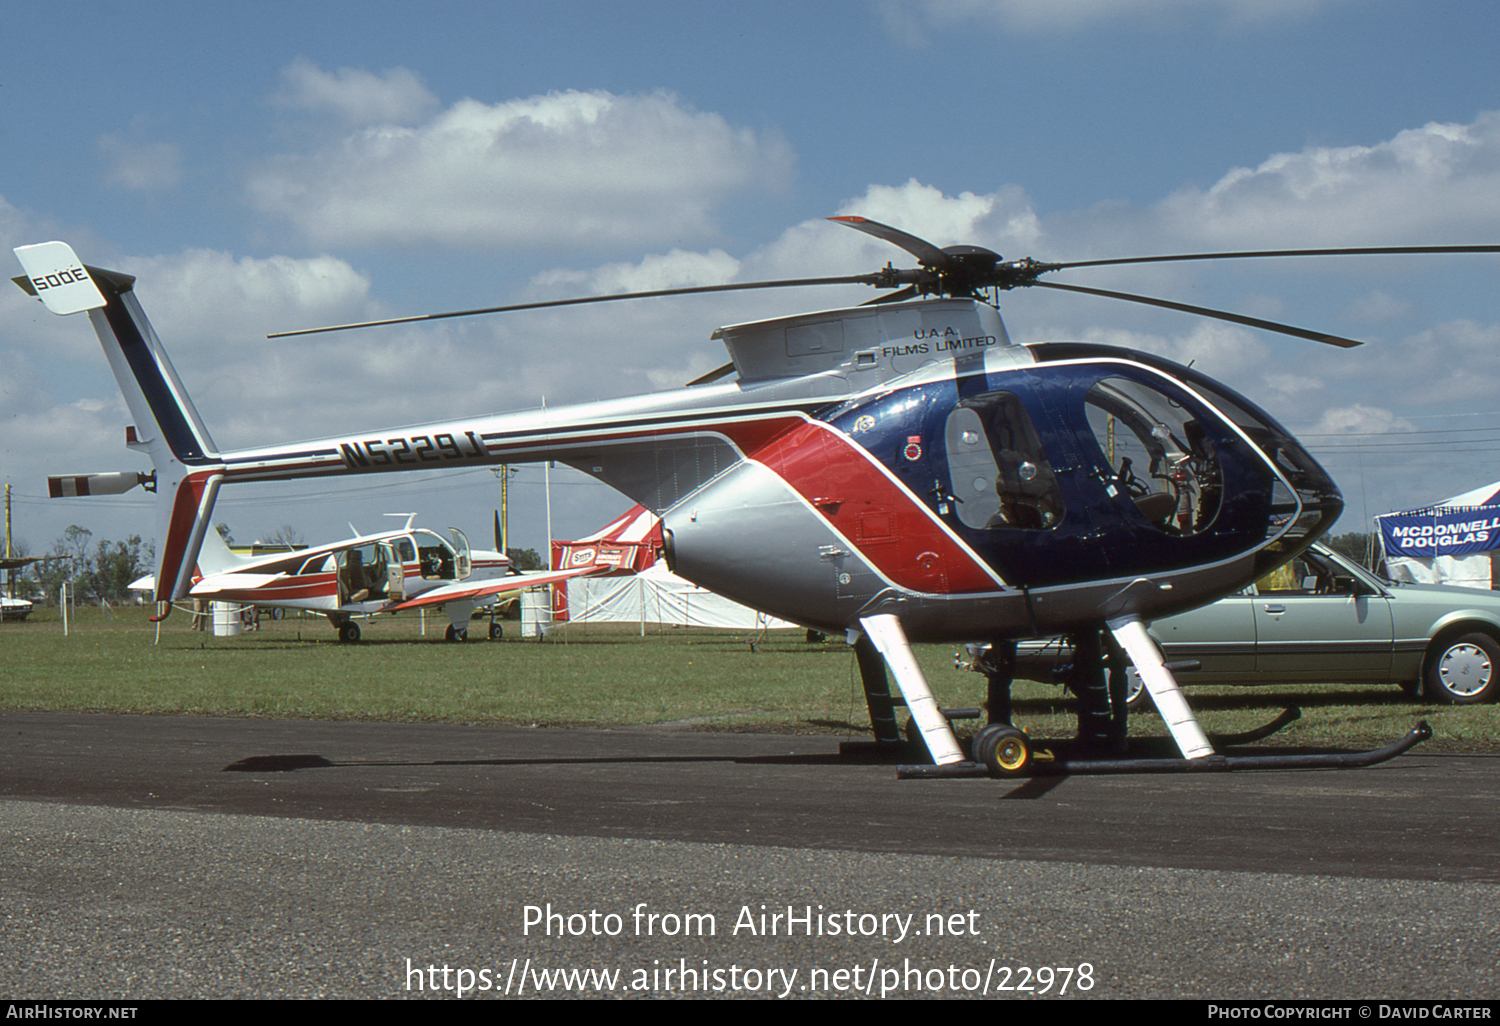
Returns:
point(892, 749)
point(1000, 749)
point(1024, 757)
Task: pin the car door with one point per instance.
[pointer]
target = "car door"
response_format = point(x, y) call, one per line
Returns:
point(1220, 637)
point(1318, 620)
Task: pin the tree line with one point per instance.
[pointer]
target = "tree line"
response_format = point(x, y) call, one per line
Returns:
point(95, 570)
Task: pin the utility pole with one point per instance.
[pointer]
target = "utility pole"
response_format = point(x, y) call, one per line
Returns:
point(504, 472)
point(9, 573)
point(504, 508)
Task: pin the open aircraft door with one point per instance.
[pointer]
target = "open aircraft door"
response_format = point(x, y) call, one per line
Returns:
point(395, 573)
point(463, 563)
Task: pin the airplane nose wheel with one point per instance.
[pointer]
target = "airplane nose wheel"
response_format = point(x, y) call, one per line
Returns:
point(1004, 750)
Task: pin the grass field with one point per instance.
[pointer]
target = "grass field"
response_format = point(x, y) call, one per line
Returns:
point(590, 675)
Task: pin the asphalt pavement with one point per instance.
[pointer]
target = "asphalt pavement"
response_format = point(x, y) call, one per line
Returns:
point(160, 857)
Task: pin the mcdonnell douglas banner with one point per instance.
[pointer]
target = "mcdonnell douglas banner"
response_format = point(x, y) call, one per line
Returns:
point(1440, 532)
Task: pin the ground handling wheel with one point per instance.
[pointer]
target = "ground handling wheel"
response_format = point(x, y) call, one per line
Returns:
point(1003, 749)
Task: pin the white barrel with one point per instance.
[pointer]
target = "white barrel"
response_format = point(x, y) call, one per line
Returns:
point(536, 613)
point(227, 622)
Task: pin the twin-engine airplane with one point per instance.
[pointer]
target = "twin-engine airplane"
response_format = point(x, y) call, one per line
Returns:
point(899, 471)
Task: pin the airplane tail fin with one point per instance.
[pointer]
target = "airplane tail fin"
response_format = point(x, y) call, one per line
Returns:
point(216, 557)
point(187, 468)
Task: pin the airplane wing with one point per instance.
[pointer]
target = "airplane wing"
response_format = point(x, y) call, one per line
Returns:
point(494, 586)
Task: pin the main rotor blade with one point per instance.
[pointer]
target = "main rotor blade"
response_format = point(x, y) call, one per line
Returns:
point(926, 253)
point(1252, 253)
point(1222, 315)
point(853, 279)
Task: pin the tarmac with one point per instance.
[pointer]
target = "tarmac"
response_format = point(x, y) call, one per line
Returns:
point(148, 858)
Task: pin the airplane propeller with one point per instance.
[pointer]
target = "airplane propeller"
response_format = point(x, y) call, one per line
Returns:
point(963, 271)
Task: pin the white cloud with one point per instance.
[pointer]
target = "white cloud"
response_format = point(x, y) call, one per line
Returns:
point(675, 270)
point(1358, 420)
point(139, 165)
point(213, 299)
point(356, 97)
point(1450, 363)
point(1293, 384)
point(1427, 185)
point(1378, 307)
point(565, 169)
point(212, 311)
point(1060, 16)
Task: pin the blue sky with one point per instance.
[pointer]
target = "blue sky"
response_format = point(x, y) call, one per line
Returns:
point(278, 165)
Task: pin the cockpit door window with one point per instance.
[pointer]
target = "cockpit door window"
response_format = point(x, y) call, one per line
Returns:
point(999, 473)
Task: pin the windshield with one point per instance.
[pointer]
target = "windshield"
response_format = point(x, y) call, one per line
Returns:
point(1158, 454)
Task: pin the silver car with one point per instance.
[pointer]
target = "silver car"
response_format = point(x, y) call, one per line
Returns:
point(1323, 618)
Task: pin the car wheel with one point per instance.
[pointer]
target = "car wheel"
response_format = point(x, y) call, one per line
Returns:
point(1464, 670)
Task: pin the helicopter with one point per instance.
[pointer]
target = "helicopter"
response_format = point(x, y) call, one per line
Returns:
point(897, 472)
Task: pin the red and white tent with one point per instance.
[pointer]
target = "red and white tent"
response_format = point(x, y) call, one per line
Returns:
point(638, 588)
point(629, 544)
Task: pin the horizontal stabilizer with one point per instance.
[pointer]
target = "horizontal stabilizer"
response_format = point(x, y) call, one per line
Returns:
point(233, 585)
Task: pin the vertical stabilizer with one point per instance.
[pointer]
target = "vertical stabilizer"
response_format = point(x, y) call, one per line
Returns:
point(188, 471)
point(215, 557)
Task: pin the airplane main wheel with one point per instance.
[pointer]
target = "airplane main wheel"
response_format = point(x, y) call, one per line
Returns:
point(454, 634)
point(349, 633)
point(1005, 750)
point(496, 631)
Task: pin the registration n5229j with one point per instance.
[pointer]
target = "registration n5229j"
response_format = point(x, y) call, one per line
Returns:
point(436, 448)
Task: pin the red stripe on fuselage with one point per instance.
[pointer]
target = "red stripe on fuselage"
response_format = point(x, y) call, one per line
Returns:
point(897, 534)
